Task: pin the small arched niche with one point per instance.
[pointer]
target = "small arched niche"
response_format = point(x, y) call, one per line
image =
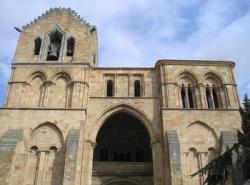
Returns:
point(46, 137)
point(205, 136)
point(36, 88)
point(46, 144)
point(62, 91)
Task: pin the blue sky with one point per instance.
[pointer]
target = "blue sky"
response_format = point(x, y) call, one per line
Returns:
point(139, 32)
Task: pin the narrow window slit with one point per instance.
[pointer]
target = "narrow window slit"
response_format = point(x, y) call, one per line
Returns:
point(110, 88)
point(38, 43)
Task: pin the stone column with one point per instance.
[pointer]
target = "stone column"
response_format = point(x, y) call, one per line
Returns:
point(202, 163)
point(69, 94)
point(212, 97)
point(7, 96)
point(48, 94)
point(131, 86)
point(25, 94)
point(187, 97)
point(42, 94)
point(203, 102)
point(221, 97)
point(157, 163)
point(40, 169)
point(163, 87)
point(87, 163)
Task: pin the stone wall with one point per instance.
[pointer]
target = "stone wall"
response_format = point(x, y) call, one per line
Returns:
point(61, 105)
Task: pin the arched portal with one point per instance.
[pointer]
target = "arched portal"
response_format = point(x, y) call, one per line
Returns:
point(122, 150)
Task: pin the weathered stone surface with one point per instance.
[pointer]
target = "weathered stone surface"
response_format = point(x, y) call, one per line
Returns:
point(60, 106)
point(173, 146)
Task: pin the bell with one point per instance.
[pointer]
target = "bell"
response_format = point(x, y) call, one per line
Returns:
point(53, 52)
point(52, 55)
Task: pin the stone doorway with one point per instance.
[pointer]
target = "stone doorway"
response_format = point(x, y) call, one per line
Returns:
point(122, 151)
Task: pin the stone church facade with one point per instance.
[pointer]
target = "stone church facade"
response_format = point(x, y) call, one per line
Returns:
point(66, 121)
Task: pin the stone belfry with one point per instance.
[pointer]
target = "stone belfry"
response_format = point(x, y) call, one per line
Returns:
point(58, 43)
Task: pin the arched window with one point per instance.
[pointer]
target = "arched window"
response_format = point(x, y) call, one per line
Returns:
point(188, 86)
point(215, 92)
point(209, 98)
point(137, 88)
point(183, 97)
point(110, 88)
point(70, 46)
point(187, 97)
point(190, 97)
point(215, 97)
point(38, 42)
point(54, 45)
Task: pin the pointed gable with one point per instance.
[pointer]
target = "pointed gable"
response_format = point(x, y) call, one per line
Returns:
point(76, 17)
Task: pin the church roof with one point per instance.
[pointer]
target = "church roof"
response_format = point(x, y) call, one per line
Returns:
point(59, 10)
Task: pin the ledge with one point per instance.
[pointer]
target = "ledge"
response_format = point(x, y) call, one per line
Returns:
point(44, 63)
point(123, 68)
point(42, 108)
point(195, 62)
point(117, 97)
point(196, 109)
point(122, 169)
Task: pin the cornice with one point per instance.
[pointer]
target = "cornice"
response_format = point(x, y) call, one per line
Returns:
point(195, 62)
point(123, 68)
point(43, 108)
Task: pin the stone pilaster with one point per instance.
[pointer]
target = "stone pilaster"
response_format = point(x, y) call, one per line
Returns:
point(157, 163)
point(173, 146)
point(87, 163)
point(228, 139)
point(71, 157)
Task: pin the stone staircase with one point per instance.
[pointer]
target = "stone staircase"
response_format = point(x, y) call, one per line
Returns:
point(9, 140)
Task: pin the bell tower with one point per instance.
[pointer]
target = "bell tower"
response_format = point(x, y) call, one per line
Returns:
point(52, 62)
point(59, 35)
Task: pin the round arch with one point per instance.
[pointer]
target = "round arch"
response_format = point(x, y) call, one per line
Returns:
point(137, 113)
point(214, 75)
point(64, 74)
point(52, 130)
point(52, 126)
point(38, 73)
point(187, 74)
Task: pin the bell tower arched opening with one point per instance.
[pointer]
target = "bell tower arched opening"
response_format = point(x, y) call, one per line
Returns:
point(123, 149)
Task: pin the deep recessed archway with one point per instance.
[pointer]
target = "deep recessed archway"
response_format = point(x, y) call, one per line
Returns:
point(123, 149)
point(123, 138)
